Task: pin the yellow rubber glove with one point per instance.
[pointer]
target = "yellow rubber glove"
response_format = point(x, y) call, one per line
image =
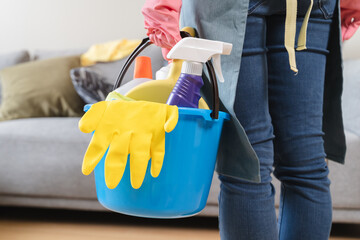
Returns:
point(117, 96)
point(136, 128)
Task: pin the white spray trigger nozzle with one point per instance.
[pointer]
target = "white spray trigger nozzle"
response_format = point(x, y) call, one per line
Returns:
point(201, 50)
point(217, 67)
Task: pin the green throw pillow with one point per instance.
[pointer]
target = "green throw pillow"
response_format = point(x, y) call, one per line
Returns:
point(40, 89)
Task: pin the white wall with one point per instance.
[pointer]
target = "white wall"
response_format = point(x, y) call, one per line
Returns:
point(67, 24)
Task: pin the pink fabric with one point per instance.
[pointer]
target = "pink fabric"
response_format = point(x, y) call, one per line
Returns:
point(350, 17)
point(162, 22)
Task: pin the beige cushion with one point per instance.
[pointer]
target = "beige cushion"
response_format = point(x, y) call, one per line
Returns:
point(40, 89)
point(10, 59)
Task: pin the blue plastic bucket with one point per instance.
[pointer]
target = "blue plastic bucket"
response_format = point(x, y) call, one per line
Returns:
point(182, 188)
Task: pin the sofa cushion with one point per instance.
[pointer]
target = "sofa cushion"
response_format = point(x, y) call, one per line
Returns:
point(108, 70)
point(93, 83)
point(90, 85)
point(10, 59)
point(42, 157)
point(40, 89)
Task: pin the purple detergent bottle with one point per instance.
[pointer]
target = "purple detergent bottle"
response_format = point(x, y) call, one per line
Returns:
point(186, 92)
point(195, 52)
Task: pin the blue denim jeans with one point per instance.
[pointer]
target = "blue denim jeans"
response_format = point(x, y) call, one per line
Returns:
point(282, 115)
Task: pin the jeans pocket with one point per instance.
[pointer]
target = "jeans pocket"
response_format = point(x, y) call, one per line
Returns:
point(253, 4)
point(327, 7)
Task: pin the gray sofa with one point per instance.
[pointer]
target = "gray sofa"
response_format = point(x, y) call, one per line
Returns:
point(40, 163)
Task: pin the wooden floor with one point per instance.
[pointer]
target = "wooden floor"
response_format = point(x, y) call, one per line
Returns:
point(39, 224)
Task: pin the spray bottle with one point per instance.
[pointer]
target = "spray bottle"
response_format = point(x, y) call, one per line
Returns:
point(195, 52)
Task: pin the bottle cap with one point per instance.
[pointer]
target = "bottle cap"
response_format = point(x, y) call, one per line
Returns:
point(193, 68)
point(142, 67)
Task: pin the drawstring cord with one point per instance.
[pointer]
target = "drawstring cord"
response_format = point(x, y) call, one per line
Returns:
point(290, 31)
point(302, 35)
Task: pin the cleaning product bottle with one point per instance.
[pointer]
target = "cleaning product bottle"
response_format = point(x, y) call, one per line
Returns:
point(142, 74)
point(195, 52)
point(163, 72)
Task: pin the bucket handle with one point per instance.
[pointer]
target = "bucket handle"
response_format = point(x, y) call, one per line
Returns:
point(144, 44)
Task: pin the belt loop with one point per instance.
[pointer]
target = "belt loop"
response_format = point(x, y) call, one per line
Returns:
point(303, 30)
point(290, 32)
